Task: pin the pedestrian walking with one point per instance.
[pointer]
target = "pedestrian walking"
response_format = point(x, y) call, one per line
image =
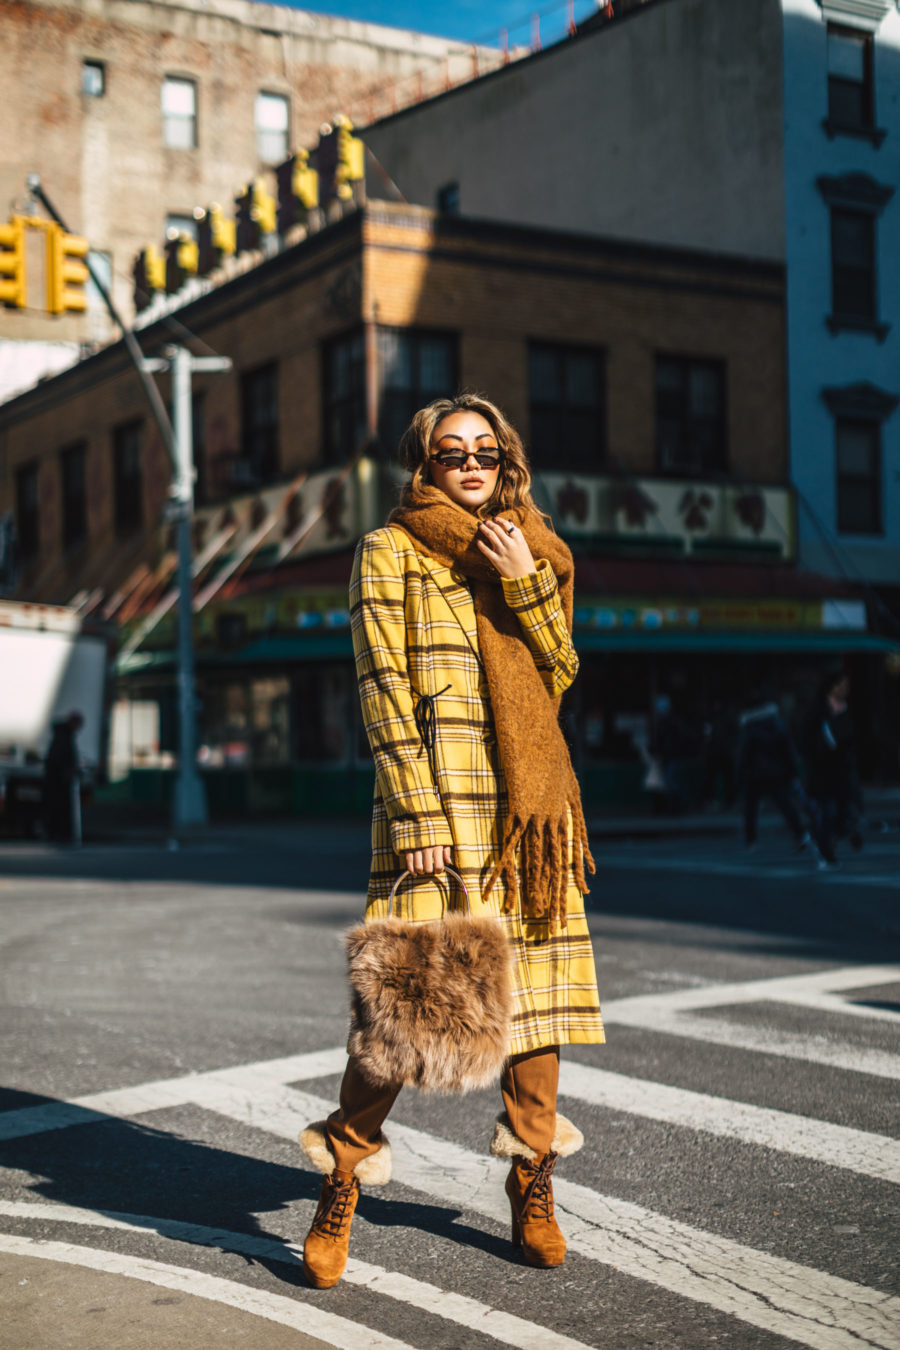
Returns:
point(673, 745)
point(461, 609)
point(767, 766)
point(832, 777)
point(61, 779)
point(719, 746)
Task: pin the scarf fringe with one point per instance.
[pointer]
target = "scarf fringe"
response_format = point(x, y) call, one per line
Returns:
point(544, 871)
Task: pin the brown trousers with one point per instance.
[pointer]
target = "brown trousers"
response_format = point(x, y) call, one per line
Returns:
point(528, 1084)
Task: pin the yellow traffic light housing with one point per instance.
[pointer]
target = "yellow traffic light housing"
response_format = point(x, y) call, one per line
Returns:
point(263, 209)
point(351, 159)
point(305, 181)
point(13, 279)
point(66, 270)
point(221, 230)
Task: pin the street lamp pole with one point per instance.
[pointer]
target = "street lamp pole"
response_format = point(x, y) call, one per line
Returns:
point(190, 795)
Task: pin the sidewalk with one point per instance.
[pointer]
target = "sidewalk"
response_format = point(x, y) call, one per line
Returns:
point(105, 826)
point(55, 1305)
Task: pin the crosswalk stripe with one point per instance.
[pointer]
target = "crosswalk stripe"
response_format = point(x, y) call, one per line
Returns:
point(858, 1151)
point(456, 1308)
point(819, 1310)
point(871, 1155)
point(299, 1316)
point(674, 1014)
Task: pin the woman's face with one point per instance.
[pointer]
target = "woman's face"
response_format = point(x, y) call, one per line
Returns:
point(469, 484)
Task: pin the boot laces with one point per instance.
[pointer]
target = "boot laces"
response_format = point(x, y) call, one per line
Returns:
point(334, 1207)
point(537, 1202)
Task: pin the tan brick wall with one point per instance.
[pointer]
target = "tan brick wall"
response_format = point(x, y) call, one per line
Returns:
point(495, 289)
point(102, 160)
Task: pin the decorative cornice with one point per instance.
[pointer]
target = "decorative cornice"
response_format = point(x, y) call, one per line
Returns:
point(866, 14)
point(864, 401)
point(855, 189)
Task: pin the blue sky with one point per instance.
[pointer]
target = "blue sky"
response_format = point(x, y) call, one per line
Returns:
point(468, 20)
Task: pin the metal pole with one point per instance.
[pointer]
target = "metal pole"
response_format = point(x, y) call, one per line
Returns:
point(157, 407)
point(190, 794)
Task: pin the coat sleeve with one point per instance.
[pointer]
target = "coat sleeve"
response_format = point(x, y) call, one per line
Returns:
point(535, 601)
point(378, 621)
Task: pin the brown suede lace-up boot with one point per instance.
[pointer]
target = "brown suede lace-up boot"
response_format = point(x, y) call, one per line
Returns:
point(328, 1241)
point(534, 1227)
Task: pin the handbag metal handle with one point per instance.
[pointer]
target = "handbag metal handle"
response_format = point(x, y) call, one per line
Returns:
point(453, 872)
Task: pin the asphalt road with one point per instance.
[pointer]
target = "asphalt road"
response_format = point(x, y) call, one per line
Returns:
point(171, 1019)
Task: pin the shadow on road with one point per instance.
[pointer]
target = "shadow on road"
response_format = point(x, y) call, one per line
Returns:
point(154, 1179)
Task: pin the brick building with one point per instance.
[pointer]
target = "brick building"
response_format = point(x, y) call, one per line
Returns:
point(591, 346)
point(134, 112)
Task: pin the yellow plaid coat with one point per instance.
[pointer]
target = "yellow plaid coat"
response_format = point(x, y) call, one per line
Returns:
point(414, 633)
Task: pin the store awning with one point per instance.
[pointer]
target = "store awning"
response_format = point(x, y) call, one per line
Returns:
point(336, 646)
point(729, 643)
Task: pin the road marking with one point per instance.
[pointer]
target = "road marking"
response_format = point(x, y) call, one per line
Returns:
point(671, 1014)
point(457, 1308)
point(759, 871)
point(819, 1310)
point(871, 1155)
point(334, 1331)
point(154, 1096)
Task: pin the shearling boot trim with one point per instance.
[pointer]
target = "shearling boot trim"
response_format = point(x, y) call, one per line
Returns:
point(372, 1171)
point(568, 1139)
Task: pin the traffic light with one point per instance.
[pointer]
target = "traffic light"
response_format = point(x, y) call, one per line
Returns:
point(149, 274)
point(351, 159)
point(66, 270)
point(255, 216)
point(298, 190)
point(340, 160)
point(13, 289)
point(181, 260)
point(215, 237)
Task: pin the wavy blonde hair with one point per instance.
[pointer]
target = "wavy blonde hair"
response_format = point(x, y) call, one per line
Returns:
point(514, 479)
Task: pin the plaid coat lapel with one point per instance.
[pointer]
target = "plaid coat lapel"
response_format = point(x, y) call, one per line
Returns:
point(455, 598)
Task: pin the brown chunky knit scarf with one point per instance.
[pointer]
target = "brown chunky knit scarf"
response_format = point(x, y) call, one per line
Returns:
point(540, 779)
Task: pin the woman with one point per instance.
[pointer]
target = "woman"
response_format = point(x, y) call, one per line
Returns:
point(461, 610)
point(832, 779)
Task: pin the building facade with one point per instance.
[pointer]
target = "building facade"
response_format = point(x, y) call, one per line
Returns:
point(768, 129)
point(649, 386)
point(134, 112)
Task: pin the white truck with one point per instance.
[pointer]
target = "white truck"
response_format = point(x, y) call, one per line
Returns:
point(52, 663)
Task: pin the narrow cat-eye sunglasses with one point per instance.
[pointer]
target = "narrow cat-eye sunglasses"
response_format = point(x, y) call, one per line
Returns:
point(458, 459)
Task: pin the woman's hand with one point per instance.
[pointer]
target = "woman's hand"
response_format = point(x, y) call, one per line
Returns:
point(430, 859)
point(503, 543)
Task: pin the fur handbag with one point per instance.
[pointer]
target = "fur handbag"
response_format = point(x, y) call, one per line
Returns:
point(430, 1002)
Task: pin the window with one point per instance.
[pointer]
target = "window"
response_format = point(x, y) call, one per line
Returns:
point(128, 503)
point(858, 455)
point(93, 79)
point(850, 79)
point(855, 201)
point(198, 436)
point(179, 110)
point(272, 128)
point(345, 397)
point(690, 416)
point(567, 406)
point(259, 423)
point(27, 512)
point(853, 264)
point(448, 199)
point(414, 367)
point(180, 224)
point(74, 496)
point(323, 713)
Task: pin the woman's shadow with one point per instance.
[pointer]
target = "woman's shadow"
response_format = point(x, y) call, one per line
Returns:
point(158, 1180)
